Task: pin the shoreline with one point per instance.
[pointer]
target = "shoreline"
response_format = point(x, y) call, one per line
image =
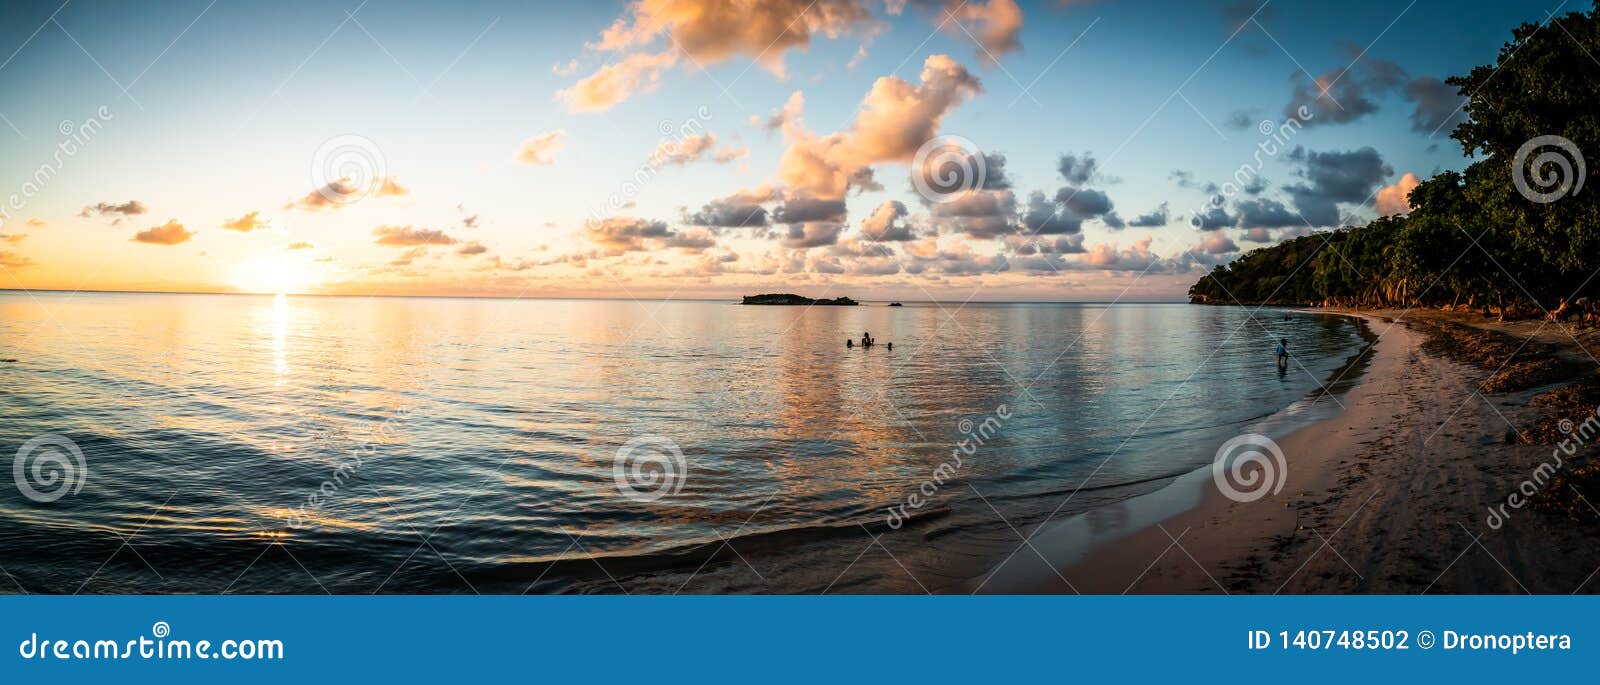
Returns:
point(1386, 495)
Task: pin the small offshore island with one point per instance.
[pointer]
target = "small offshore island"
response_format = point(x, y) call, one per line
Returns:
point(792, 299)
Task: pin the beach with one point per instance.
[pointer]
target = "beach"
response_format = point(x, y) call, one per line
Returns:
point(1404, 490)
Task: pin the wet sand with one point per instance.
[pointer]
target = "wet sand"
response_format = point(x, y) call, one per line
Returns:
point(1392, 494)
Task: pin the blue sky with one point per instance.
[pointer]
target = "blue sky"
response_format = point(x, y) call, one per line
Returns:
point(226, 105)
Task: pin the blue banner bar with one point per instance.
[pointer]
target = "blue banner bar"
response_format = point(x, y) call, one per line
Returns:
point(812, 639)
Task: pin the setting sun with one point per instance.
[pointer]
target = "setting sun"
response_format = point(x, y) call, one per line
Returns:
point(274, 275)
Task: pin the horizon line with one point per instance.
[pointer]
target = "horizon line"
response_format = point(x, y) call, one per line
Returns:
point(731, 299)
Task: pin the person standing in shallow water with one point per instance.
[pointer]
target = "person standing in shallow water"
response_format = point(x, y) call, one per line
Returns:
point(1283, 354)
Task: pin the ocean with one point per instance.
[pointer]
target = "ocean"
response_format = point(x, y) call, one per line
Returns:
point(170, 443)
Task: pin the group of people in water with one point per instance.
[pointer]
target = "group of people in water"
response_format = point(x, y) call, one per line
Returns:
point(866, 341)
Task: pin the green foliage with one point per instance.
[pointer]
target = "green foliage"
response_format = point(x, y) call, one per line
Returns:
point(1472, 239)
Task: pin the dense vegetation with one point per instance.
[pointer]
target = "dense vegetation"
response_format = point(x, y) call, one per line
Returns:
point(1530, 257)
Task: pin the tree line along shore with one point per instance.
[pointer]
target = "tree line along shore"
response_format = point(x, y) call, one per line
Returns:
point(1509, 243)
point(1514, 235)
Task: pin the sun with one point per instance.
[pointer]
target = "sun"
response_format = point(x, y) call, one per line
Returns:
point(274, 275)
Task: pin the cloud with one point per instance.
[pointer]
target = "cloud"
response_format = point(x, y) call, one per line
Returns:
point(1216, 243)
point(246, 223)
point(406, 236)
point(692, 241)
point(1043, 217)
point(694, 148)
point(652, 33)
point(300, 245)
point(13, 238)
point(620, 234)
point(1077, 169)
point(812, 234)
point(1393, 199)
point(1266, 213)
point(1238, 14)
point(540, 150)
point(1258, 235)
point(1343, 96)
point(893, 121)
point(408, 256)
point(12, 260)
point(170, 233)
point(344, 191)
point(1335, 178)
point(995, 26)
point(958, 259)
point(887, 223)
point(1243, 119)
point(804, 209)
point(129, 208)
point(979, 213)
point(615, 83)
point(1152, 219)
point(1212, 218)
point(472, 248)
point(1439, 106)
point(1108, 257)
point(36, 222)
point(740, 210)
point(1335, 97)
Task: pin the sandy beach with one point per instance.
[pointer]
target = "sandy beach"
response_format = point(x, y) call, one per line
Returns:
point(1392, 494)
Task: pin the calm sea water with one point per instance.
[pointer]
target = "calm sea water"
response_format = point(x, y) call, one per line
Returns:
point(356, 445)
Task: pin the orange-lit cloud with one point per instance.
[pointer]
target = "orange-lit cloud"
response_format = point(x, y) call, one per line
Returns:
point(170, 233)
point(707, 32)
point(12, 260)
point(894, 119)
point(36, 222)
point(541, 149)
point(13, 238)
point(120, 209)
point(994, 25)
point(246, 223)
point(473, 248)
point(404, 236)
point(617, 82)
point(299, 245)
point(693, 148)
point(1392, 198)
point(344, 191)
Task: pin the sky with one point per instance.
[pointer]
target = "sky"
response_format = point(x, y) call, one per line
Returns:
point(998, 150)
